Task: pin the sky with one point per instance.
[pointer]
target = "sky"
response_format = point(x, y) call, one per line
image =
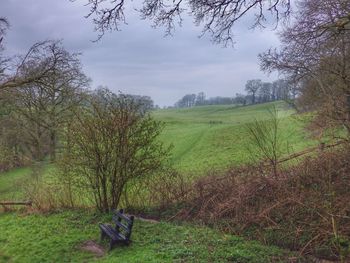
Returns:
point(139, 59)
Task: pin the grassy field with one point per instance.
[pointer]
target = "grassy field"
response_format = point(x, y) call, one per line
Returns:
point(215, 137)
point(58, 237)
point(204, 138)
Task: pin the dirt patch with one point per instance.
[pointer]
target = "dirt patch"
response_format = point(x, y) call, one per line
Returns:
point(93, 247)
point(153, 221)
point(144, 217)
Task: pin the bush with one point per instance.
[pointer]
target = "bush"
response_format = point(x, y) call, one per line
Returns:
point(111, 143)
point(306, 208)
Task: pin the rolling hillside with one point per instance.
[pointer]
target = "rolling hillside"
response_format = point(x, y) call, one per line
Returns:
point(204, 138)
point(215, 137)
point(211, 137)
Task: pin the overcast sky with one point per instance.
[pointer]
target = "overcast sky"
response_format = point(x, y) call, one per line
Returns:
point(139, 60)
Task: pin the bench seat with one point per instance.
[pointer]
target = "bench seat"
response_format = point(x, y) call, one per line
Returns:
point(112, 233)
point(121, 232)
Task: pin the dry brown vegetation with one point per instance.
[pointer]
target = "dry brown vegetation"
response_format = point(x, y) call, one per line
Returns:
point(306, 208)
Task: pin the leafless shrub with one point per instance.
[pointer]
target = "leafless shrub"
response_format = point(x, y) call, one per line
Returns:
point(306, 208)
point(111, 144)
point(266, 142)
point(168, 188)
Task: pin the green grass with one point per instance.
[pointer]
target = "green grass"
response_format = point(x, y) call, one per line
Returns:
point(204, 138)
point(57, 238)
point(215, 137)
point(14, 182)
point(11, 183)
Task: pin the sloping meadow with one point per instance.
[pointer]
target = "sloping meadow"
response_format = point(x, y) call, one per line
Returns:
point(207, 138)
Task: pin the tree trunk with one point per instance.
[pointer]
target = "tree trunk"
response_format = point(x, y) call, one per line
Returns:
point(105, 204)
point(348, 112)
point(53, 145)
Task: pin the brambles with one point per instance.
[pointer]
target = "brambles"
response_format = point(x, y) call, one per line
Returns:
point(307, 204)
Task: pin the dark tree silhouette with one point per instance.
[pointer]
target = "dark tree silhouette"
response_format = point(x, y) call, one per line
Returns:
point(252, 88)
point(216, 17)
point(4, 25)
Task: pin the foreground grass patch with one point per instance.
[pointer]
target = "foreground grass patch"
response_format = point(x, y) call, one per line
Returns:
point(57, 238)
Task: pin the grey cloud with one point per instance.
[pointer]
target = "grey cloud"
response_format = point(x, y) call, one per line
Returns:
point(139, 59)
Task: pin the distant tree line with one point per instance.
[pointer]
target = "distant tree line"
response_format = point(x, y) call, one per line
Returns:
point(257, 92)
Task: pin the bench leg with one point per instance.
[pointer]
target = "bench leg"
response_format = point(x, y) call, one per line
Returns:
point(103, 235)
point(111, 244)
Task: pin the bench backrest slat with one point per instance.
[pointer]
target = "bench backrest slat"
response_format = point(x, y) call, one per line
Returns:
point(120, 224)
point(122, 236)
point(124, 229)
point(124, 217)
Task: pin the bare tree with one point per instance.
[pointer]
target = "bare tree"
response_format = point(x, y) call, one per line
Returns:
point(266, 142)
point(20, 70)
point(265, 92)
point(187, 101)
point(315, 51)
point(22, 73)
point(4, 25)
point(110, 142)
point(13, 140)
point(321, 20)
point(217, 18)
point(49, 98)
point(252, 88)
point(200, 99)
point(240, 99)
point(281, 89)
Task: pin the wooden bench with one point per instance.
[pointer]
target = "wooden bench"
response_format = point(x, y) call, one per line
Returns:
point(120, 234)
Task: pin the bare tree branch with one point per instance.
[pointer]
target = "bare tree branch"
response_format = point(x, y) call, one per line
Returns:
point(315, 52)
point(37, 65)
point(4, 25)
point(217, 17)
